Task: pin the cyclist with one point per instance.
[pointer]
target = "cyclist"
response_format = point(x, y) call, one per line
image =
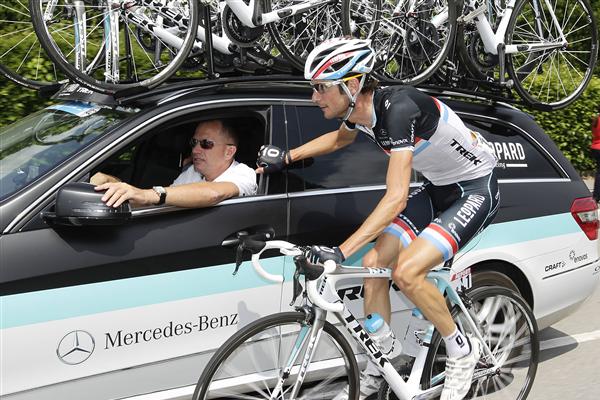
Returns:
point(415, 231)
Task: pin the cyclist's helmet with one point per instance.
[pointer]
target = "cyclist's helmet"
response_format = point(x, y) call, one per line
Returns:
point(336, 58)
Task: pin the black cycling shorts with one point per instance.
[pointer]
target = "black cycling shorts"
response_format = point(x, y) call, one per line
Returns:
point(448, 216)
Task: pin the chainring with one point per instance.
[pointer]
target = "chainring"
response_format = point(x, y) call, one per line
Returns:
point(237, 32)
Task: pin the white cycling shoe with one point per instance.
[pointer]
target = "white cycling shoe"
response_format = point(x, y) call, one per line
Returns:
point(459, 373)
point(369, 385)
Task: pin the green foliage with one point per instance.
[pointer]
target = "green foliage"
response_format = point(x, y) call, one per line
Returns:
point(16, 102)
point(570, 128)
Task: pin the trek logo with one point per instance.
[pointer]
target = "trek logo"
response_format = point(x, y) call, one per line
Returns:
point(577, 259)
point(464, 152)
point(556, 265)
point(358, 292)
point(172, 329)
point(359, 333)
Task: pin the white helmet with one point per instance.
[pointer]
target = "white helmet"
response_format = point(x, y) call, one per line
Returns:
point(335, 58)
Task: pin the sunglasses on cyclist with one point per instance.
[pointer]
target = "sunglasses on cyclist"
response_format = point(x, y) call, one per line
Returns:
point(321, 87)
point(206, 144)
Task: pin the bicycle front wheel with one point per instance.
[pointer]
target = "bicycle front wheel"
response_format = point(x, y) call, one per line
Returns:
point(295, 36)
point(22, 59)
point(111, 46)
point(509, 330)
point(413, 39)
point(249, 365)
point(553, 77)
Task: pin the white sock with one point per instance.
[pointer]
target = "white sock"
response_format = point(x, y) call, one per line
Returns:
point(457, 345)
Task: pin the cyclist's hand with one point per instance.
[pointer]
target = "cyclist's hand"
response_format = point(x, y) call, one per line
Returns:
point(271, 159)
point(320, 254)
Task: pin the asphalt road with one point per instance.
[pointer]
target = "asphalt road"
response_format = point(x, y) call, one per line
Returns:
point(569, 367)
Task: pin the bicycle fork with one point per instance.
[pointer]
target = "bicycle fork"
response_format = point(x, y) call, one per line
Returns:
point(308, 338)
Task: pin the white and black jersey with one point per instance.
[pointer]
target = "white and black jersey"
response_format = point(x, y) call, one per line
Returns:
point(444, 150)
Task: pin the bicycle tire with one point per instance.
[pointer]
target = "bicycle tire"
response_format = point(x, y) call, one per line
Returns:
point(245, 368)
point(142, 74)
point(581, 53)
point(517, 362)
point(419, 50)
point(22, 60)
point(295, 36)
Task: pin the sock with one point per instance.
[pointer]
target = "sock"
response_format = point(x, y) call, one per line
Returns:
point(457, 345)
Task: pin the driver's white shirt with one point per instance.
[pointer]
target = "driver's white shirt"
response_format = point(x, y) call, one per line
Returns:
point(239, 174)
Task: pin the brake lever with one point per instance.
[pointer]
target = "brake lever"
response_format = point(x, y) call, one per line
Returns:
point(298, 288)
point(239, 253)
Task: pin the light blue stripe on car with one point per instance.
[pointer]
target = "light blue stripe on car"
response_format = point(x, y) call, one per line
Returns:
point(55, 304)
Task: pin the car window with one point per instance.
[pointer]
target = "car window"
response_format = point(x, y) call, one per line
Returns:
point(518, 157)
point(32, 147)
point(360, 164)
point(162, 154)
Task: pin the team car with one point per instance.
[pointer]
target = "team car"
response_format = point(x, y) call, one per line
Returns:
point(102, 303)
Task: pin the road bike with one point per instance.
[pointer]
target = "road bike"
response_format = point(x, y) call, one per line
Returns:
point(412, 38)
point(22, 59)
point(303, 355)
point(547, 48)
point(141, 43)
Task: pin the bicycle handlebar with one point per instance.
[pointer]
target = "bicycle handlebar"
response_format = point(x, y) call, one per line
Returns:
point(290, 249)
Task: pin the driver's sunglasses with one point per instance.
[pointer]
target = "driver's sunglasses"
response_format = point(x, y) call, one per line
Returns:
point(321, 87)
point(206, 144)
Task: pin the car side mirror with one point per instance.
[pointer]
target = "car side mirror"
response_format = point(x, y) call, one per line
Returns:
point(78, 204)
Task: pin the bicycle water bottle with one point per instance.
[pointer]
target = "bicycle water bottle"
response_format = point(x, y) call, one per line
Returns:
point(382, 334)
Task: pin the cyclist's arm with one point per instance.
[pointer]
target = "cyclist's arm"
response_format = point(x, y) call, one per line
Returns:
point(324, 144)
point(392, 203)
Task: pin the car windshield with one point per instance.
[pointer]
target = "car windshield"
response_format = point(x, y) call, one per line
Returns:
point(36, 145)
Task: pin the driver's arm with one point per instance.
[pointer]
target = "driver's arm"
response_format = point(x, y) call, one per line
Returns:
point(393, 203)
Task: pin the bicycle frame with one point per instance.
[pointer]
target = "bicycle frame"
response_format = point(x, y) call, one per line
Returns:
point(252, 16)
point(492, 41)
point(404, 390)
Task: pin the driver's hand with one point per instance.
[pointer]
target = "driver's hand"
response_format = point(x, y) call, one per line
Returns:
point(99, 178)
point(119, 192)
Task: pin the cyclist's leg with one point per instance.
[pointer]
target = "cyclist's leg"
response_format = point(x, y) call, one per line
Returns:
point(397, 236)
point(461, 220)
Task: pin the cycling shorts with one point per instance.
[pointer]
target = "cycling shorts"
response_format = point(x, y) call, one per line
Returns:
point(448, 216)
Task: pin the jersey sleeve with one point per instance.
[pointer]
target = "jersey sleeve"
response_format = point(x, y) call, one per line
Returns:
point(401, 114)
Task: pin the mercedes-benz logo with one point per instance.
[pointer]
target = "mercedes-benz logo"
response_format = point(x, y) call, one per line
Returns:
point(75, 347)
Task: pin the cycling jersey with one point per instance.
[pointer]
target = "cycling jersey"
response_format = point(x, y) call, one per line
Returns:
point(444, 150)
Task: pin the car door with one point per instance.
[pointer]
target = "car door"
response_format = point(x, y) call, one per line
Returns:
point(111, 311)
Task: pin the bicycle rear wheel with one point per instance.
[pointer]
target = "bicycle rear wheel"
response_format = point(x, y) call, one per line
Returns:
point(249, 364)
point(555, 77)
point(510, 331)
point(412, 43)
point(22, 59)
point(297, 35)
point(110, 46)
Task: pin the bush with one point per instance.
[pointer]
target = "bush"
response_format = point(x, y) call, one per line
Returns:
point(17, 102)
point(570, 128)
